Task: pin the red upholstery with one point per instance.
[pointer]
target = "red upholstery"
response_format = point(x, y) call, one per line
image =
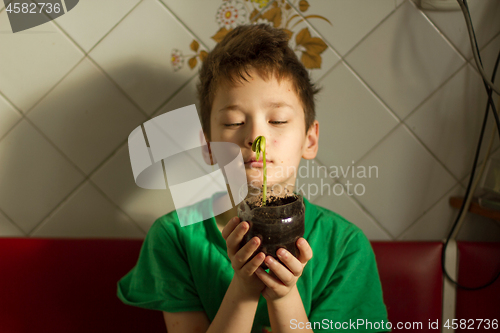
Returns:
point(478, 264)
point(412, 281)
point(68, 285)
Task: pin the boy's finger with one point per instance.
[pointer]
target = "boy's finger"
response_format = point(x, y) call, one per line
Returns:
point(306, 252)
point(282, 273)
point(270, 279)
point(228, 229)
point(293, 264)
point(242, 255)
point(234, 239)
point(251, 266)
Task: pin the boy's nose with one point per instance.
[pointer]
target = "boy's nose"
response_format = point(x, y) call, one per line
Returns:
point(255, 129)
point(249, 143)
point(251, 136)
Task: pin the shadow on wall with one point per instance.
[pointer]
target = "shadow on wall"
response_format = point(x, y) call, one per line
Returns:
point(80, 185)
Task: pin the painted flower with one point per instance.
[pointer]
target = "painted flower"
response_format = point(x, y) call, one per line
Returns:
point(311, 48)
point(231, 14)
point(177, 59)
point(262, 21)
point(274, 15)
point(262, 3)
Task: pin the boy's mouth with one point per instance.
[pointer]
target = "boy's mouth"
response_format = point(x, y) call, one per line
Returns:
point(252, 162)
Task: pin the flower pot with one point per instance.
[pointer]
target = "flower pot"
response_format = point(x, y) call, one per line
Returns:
point(279, 223)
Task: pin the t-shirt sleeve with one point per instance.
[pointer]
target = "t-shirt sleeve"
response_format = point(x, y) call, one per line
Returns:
point(161, 279)
point(352, 299)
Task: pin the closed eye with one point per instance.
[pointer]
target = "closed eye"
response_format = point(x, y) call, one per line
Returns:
point(272, 122)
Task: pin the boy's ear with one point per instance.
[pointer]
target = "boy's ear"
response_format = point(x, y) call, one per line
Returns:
point(311, 143)
point(205, 148)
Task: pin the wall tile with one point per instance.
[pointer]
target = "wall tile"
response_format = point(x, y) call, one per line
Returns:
point(351, 20)
point(2, 5)
point(7, 229)
point(142, 66)
point(74, 219)
point(477, 228)
point(404, 59)
point(34, 177)
point(485, 20)
point(349, 209)
point(465, 180)
point(494, 154)
point(489, 56)
point(115, 178)
point(86, 116)
point(91, 20)
point(409, 181)
point(313, 179)
point(351, 118)
point(9, 116)
point(436, 224)
point(449, 122)
point(33, 61)
point(186, 96)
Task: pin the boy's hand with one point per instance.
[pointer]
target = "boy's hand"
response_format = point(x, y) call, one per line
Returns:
point(280, 280)
point(246, 280)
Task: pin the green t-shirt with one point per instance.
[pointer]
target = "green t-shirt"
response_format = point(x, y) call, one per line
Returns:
point(187, 269)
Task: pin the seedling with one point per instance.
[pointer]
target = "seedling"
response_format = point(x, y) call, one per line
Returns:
point(258, 146)
point(281, 221)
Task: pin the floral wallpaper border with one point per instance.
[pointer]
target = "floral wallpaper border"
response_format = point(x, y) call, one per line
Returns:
point(280, 14)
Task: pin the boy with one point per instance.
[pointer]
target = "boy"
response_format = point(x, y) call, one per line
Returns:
point(252, 84)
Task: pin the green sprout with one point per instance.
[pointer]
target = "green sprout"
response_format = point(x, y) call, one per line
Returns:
point(259, 145)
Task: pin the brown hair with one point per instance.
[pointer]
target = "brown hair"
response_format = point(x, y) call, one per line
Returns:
point(262, 47)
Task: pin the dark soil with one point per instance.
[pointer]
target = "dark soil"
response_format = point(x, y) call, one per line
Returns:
point(274, 201)
point(272, 215)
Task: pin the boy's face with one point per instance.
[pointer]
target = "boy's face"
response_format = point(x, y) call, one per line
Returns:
point(251, 109)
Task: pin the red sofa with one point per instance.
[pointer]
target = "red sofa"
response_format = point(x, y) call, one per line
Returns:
point(69, 285)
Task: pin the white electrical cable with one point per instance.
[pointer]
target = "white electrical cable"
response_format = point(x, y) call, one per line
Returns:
point(472, 38)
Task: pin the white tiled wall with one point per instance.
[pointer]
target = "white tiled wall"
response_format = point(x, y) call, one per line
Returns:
point(401, 93)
